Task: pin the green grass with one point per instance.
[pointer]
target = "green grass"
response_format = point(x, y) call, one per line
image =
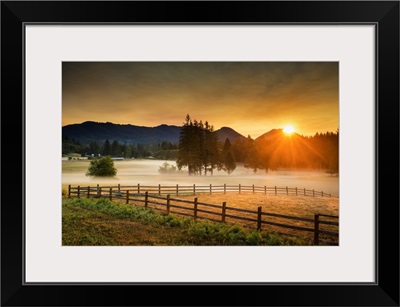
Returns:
point(102, 222)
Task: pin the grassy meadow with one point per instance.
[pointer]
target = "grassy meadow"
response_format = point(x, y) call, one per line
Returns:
point(89, 222)
point(100, 222)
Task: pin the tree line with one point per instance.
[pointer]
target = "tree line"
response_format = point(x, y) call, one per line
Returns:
point(200, 151)
point(320, 152)
point(164, 150)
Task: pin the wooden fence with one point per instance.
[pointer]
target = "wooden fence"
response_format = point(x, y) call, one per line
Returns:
point(310, 228)
point(212, 189)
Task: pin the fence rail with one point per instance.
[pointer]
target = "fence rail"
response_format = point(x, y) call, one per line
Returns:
point(206, 189)
point(151, 196)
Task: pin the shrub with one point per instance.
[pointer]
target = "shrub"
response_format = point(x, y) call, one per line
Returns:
point(167, 168)
point(102, 167)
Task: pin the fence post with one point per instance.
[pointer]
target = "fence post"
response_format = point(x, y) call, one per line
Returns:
point(304, 191)
point(210, 188)
point(119, 188)
point(313, 193)
point(110, 193)
point(223, 211)
point(276, 192)
point(287, 191)
point(265, 190)
point(99, 192)
point(330, 195)
point(69, 191)
point(168, 204)
point(177, 189)
point(194, 189)
point(195, 209)
point(146, 198)
point(127, 196)
point(322, 193)
point(138, 188)
point(224, 188)
point(240, 188)
point(79, 191)
point(88, 192)
point(296, 191)
point(159, 189)
point(259, 218)
point(316, 229)
point(253, 189)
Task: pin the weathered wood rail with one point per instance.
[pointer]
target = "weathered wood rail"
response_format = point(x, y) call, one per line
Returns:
point(211, 189)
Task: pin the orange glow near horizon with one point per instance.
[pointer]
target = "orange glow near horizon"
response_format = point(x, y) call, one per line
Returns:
point(250, 97)
point(289, 129)
point(292, 149)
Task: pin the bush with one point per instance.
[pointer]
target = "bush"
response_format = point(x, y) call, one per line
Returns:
point(167, 168)
point(103, 167)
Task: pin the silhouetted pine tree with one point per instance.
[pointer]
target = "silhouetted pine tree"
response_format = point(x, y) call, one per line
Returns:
point(212, 159)
point(115, 148)
point(106, 148)
point(228, 161)
point(198, 147)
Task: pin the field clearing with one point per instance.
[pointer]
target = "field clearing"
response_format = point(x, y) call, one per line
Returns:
point(87, 227)
point(305, 206)
point(297, 206)
point(145, 172)
point(94, 222)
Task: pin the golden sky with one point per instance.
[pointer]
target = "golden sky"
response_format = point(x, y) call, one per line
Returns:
point(250, 97)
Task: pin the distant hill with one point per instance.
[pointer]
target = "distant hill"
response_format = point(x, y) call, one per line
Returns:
point(274, 133)
point(283, 149)
point(226, 132)
point(280, 140)
point(90, 131)
point(94, 131)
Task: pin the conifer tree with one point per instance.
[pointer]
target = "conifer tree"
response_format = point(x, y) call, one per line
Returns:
point(198, 147)
point(106, 148)
point(228, 162)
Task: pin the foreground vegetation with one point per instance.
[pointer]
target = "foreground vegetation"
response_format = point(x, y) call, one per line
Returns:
point(102, 222)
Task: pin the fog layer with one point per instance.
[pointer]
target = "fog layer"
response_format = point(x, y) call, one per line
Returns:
point(146, 172)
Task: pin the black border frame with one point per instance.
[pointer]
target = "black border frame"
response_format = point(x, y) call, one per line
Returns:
point(383, 14)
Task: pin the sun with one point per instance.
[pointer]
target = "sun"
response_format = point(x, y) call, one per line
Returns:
point(288, 129)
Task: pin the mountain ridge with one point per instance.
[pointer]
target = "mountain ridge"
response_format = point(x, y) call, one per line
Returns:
point(91, 131)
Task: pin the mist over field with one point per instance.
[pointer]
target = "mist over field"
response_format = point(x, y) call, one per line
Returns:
point(146, 172)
